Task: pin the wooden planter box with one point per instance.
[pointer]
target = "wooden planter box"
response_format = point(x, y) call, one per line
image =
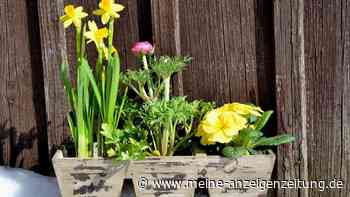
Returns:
point(104, 178)
point(89, 177)
point(148, 174)
point(237, 177)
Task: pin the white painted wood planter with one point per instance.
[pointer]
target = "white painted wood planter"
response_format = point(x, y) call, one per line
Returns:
point(104, 178)
point(89, 177)
point(148, 174)
point(238, 177)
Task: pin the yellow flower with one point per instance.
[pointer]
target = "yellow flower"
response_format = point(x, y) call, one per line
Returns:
point(242, 109)
point(73, 15)
point(105, 51)
point(220, 126)
point(108, 9)
point(95, 34)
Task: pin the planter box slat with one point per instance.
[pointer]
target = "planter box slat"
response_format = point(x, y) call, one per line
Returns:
point(178, 168)
point(89, 177)
point(235, 173)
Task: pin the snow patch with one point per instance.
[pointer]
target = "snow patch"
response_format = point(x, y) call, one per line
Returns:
point(16, 182)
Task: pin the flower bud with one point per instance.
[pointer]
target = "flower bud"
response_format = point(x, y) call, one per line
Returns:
point(142, 48)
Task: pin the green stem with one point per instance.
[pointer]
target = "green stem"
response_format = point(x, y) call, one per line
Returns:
point(167, 89)
point(145, 65)
point(78, 43)
point(122, 105)
point(110, 38)
point(172, 134)
point(84, 146)
point(99, 62)
point(164, 143)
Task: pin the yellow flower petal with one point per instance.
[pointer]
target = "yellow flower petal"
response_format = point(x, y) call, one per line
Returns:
point(96, 35)
point(219, 137)
point(117, 7)
point(99, 12)
point(77, 22)
point(64, 18)
point(108, 9)
point(69, 10)
point(205, 141)
point(79, 9)
point(105, 18)
point(73, 15)
point(224, 123)
point(67, 23)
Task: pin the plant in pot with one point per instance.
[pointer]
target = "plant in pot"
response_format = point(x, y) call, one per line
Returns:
point(151, 135)
point(169, 121)
point(97, 106)
point(234, 131)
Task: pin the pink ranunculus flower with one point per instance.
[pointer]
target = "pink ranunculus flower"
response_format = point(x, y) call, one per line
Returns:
point(142, 48)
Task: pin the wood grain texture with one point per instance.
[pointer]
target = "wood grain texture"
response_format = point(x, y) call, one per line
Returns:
point(104, 177)
point(345, 72)
point(90, 177)
point(234, 171)
point(166, 34)
point(312, 92)
point(20, 109)
point(53, 48)
point(290, 92)
point(183, 169)
point(324, 75)
point(220, 35)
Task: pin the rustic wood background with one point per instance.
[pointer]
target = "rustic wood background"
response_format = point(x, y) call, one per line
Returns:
point(292, 56)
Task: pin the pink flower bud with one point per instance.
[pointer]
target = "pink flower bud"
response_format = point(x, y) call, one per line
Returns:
point(142, 48)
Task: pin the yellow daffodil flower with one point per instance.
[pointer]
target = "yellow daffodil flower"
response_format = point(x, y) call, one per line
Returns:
point(105, 51)
point(96, 35)
point(220, 126)
point(108, 9)
point(242, 109)
point(73, 15)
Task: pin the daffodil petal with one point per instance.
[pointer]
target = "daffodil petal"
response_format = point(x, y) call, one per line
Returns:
point(79, 9)
point(77, 22)
point(99, 12)
point(92, 26)
point(64, 18)
point(67, 23)
point(118, 7)
point(83, 15)
point(105, 18)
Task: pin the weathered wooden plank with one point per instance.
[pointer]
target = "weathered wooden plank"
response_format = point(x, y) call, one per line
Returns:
point(53, 49)
point(182, 169)
point(235, 173)
point(220, 35)
point(345, 44)
point(311, 88)
point(324, 73)
point(290, 91)
point(19, 115)
point(90, 177)
point(166, 33)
